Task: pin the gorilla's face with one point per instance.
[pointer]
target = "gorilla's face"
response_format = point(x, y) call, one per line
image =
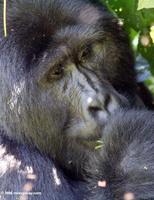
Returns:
point(60, 71)
point(69, 96)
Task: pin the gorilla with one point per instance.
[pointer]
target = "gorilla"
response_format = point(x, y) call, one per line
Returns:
point(66, 67)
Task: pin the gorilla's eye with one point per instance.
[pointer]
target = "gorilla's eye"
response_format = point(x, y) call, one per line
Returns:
point(85, 54)
point(56, 73)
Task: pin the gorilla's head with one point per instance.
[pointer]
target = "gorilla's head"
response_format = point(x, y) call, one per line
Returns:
point(62, 64)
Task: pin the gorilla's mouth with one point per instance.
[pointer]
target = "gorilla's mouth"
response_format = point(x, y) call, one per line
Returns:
point(85, 130)
point(91, 144)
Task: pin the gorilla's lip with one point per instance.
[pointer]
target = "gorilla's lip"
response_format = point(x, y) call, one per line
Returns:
point(86, 134)
point(91, 141)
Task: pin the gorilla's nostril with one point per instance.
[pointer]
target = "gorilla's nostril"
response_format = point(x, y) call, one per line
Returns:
point(95, 106)
point(100, 103)
point(107, 101)
point(94, 109)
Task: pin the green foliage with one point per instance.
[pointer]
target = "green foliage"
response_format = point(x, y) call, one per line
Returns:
point(138, 19)
point(145, 4)
point(150, 83)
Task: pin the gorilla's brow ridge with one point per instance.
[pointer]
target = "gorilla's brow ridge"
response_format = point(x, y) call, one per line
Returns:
point(79, 33)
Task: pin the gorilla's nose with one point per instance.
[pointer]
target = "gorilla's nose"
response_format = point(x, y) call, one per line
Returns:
point(102, 106)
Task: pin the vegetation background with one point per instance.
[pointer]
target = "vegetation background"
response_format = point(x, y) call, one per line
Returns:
point(138, 19)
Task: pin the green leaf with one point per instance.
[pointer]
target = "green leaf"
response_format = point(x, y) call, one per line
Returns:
point(98, 147)
point(145, 4)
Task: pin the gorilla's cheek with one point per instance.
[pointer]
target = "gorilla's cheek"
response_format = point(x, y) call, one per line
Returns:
point(38, 114)
point(49, 114)
point(83, 129)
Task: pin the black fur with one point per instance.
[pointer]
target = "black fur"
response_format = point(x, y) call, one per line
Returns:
point(126, 159)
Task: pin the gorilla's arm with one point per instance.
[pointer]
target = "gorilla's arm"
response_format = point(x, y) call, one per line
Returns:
point(126, 163)
point(24, 171)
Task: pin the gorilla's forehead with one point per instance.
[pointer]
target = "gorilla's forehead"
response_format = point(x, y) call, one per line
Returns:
point(71, 10)
point(78, 34)
point(50, 18)
point(56, 13)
